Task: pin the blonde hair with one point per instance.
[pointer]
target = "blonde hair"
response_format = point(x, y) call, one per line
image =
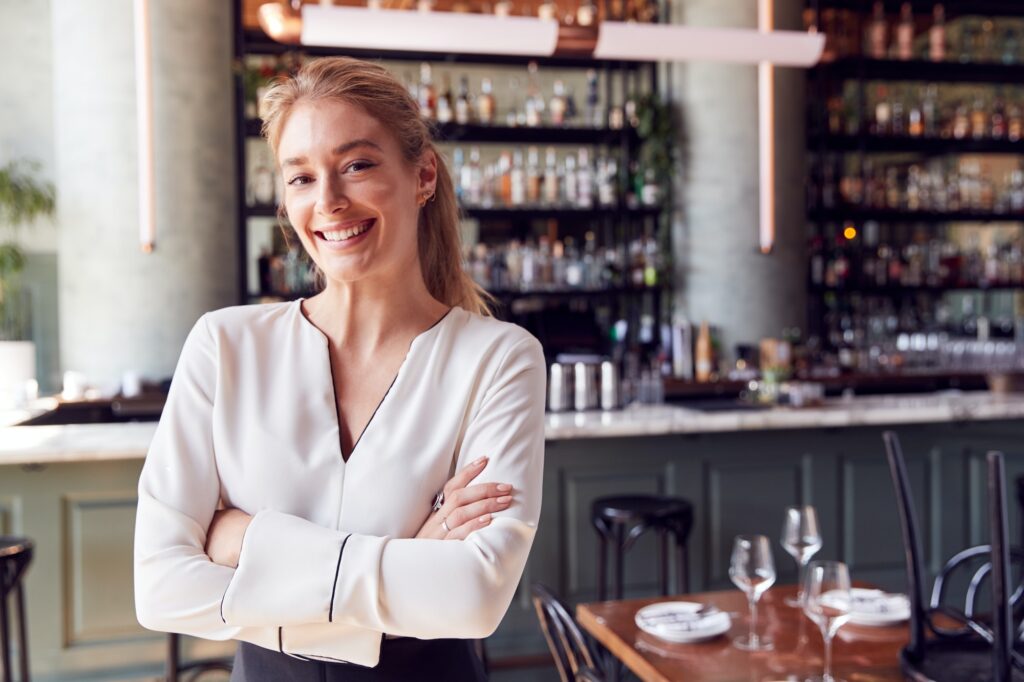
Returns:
point(372, 87)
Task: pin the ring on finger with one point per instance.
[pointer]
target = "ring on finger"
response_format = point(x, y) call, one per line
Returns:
point(444, 524)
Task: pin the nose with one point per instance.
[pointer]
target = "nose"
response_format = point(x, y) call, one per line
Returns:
point(332, 196)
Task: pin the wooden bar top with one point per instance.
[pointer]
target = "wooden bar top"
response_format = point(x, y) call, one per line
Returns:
point(860, 654)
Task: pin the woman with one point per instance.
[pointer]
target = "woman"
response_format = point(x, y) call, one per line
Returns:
point(325, 426)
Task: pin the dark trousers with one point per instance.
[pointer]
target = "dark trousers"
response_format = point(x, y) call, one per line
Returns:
point(401, 660)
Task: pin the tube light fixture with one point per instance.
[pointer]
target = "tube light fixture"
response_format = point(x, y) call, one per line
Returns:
point(766, 136)
point(144, 125)
point(447, 32)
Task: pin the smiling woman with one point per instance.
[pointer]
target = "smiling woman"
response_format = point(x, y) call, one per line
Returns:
point(379, 446)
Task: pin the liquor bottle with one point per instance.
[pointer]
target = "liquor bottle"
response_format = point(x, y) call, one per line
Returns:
point(586, 13)
point(534, 104)
point(998, 127)
point(458, 172)
point(905, 33)
point(463, 106)
point(572, 112)
point(979, 119)
point(937, 34)
point(427, 94)
point(534, 178)
point(607, 176)
point(585, 180)
point(883, 112)
point(485, 103)
point(573, 264)
point(570, 195)
point(650, 195)
point(445, 103)
point(517, 181)
point(594, 115)
point(558, 104)
point(930, 111)
point(505, 175)
point(472, 178)
point(702, 354)
point(877, 37)
point(1014, 122)
point(961, 121)
point(898, 126)
point(915, 120)
point(551, 184)
point(547, 10)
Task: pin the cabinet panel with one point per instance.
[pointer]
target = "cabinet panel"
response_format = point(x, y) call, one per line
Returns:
point(99, 603)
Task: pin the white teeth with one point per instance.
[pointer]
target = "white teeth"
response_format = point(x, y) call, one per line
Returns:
point(341, 235)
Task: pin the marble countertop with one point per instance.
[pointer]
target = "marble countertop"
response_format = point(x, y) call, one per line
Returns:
point(130, 440)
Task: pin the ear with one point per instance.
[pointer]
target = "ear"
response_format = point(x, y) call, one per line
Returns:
point(427, 173)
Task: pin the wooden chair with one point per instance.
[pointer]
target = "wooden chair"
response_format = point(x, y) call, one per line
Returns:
point(573, 656)
point(977, 646)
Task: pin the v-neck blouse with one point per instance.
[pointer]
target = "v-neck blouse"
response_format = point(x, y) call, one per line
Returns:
point(329, 562)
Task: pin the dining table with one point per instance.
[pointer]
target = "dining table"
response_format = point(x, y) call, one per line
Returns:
point(859, 653)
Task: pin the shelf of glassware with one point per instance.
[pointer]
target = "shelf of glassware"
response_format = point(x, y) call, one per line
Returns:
point(932, 145)
point(995, 8)
point(863, 68)
point(861, 214)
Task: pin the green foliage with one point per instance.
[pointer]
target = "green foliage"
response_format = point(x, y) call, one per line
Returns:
point(658, 136)
point(23, 198)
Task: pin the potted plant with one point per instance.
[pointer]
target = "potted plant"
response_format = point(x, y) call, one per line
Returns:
point(23, 198)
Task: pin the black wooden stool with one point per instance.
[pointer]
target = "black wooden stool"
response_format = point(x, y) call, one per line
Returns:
point(175, 668)
point(623, 519)
point(15, 556)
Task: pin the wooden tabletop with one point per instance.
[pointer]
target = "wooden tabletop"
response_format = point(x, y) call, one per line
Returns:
point(860, 654)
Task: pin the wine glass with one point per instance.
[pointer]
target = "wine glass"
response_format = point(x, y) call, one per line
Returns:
point(802, 539)
point(827, 602)
point(752, 570)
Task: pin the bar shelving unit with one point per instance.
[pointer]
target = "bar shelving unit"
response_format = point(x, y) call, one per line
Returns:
point(854, 146)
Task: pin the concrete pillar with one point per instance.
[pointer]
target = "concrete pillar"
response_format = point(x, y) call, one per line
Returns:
point(721, 275)
point(121, 309)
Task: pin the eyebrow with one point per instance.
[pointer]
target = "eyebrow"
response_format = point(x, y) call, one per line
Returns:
point(337, 151)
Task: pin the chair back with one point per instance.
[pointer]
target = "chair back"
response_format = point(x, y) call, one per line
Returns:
point(570, 649)
point(1002, 625)
point(911, 544)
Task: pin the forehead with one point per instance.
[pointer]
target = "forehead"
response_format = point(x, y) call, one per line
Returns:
point(318, 127)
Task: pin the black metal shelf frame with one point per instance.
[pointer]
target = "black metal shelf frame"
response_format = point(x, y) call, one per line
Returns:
point(954, 8)
point(858, 214)
point(935, 146)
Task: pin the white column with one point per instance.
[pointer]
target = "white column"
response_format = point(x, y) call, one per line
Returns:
point(121, 309)
point(721, 275)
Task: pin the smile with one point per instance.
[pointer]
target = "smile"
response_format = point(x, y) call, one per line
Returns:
point(337, 236)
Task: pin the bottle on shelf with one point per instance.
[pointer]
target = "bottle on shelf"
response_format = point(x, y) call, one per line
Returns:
point(427, 95)
point(463, 104)
point(937, 34)
point(877, 32)
point(905, 33)
point(485, 107)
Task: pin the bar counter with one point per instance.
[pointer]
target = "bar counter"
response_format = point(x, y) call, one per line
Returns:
point(130, 440)
point(72, 489)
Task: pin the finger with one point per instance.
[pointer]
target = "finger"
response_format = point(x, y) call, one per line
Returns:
point(462, 478)
point(463, 531)
point(467, 513)
point(473, 493)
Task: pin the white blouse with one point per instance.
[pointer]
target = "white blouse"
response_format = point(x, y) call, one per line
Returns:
point(329, 563)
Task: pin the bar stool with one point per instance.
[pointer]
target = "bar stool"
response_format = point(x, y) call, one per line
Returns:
point(623, 519)
point(198, 668)
point(15, 556)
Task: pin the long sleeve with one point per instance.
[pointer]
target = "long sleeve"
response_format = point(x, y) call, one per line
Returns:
point(298, 574)
point(177, 587)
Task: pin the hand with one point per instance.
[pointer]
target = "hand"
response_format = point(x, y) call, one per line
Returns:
point(466, 508)
point(224, 536)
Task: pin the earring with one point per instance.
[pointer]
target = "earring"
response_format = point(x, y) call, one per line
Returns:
point(427, 196)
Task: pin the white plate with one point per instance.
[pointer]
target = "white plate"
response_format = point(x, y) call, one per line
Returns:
point(876, 608)
point(677, 621)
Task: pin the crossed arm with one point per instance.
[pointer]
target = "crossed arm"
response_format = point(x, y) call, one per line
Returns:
point(295, 580)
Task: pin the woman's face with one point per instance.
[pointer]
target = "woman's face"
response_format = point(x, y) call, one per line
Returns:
point(349, 193)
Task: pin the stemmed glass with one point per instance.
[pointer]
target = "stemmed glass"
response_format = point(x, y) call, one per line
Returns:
point(802, 539)
point(827, 602)
point(752, 569)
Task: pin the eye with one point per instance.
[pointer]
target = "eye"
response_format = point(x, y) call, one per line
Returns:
point(300, 180)
point(357, 166)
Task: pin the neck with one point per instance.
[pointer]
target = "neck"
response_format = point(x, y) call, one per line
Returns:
point(363, 316)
